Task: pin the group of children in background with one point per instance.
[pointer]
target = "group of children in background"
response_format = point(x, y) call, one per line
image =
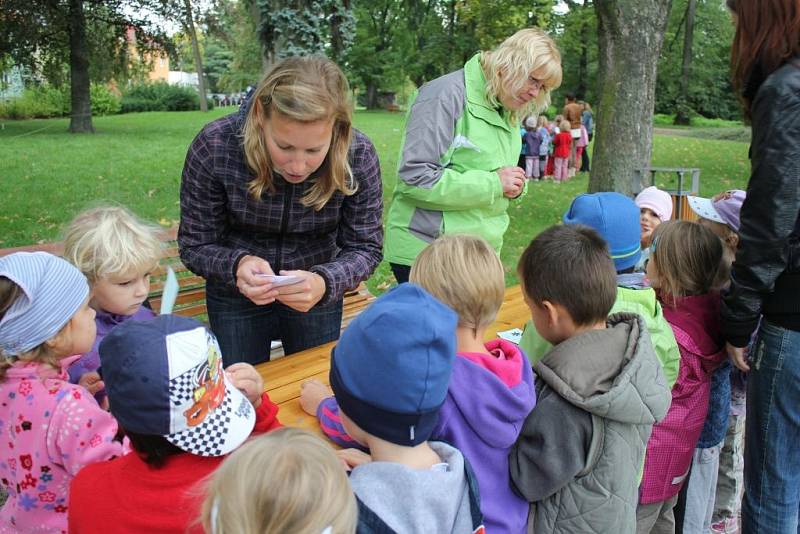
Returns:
point(616, 400)
point(547, 148)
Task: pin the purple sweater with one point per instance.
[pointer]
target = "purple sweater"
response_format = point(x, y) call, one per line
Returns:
point(486, 405)
point(90, 361)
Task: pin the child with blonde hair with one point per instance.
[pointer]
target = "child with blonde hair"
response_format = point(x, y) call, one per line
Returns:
point(491, 388)
point(116, 252)
point(685, 258)
point(544, 147)
point(287, 481)
point(51, 428)
point(562, 145)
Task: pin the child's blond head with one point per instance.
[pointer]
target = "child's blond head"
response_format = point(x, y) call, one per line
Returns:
point(687, 257)
point(565, 126)
point(111, 240)
point(286, 481)
point(465, 273)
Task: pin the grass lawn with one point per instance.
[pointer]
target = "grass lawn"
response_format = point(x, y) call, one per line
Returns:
point(47, 175)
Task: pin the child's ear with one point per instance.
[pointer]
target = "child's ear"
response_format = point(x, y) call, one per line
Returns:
point(733, 241)
point(552, 313)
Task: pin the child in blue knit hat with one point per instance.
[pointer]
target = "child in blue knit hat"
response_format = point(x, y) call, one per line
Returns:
point(390, 372)
point(51, 429)
point(616, 218)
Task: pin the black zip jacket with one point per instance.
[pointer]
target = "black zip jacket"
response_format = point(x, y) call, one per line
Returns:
point(766, 274)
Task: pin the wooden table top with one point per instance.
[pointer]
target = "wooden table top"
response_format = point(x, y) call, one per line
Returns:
point(283, 377)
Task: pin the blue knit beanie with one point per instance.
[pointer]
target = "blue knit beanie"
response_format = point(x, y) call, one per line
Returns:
point(616, 218)
point(391, 368)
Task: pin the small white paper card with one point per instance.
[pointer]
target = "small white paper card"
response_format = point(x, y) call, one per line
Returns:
point(513, 335)
point(170, 293)
point(278, 281)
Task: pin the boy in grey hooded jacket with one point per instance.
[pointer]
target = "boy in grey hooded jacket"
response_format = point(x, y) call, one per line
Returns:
point(600, 390)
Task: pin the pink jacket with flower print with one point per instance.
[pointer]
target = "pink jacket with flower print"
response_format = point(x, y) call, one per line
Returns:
point(49, 430)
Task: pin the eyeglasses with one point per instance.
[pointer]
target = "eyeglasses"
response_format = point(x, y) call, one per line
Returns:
point(534, 83)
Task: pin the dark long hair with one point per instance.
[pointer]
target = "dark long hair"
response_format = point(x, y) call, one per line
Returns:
point(767, 36)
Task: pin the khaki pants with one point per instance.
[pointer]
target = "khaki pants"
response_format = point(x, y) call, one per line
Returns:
point(656, 518)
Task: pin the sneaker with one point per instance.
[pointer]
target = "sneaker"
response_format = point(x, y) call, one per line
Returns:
point(728, 525)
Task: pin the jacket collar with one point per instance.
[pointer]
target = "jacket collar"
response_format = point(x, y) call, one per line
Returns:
point(475, 83)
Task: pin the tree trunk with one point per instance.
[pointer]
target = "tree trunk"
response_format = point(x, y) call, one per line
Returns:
point(629, 34)
point(372, 96)
point(583, 61)
point(337, 37)
point(80, 115)
point(682, 105)
point(198, 59)
point(255, 12)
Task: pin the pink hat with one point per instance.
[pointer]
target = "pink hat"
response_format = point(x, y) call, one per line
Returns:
point(657, 200)
point(723, 208)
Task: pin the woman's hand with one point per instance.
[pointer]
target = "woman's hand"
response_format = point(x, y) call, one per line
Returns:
point(303, 295)
point(256, 288)
point(738, 356)
point(512, 179)
point(246, 379)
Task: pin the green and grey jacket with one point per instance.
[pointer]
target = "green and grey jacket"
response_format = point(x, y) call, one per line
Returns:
point(454, 142)
point(578, 456)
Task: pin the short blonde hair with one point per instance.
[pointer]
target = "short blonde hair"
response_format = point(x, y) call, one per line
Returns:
point(465, 273)
point(508, 67)
point(287, 481)
point(687, 256)
point(110, 240)
point(302, 89)
point(565, 126)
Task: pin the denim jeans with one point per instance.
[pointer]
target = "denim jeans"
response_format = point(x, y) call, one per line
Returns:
point(245, 330)
point(772, 430)
point(700, 490)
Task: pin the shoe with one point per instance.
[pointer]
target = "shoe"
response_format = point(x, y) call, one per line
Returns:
point(727, 525)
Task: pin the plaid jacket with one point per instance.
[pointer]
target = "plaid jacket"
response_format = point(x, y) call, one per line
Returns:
point(221, 222)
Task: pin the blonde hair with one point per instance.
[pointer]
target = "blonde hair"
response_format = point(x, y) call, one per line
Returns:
point(729, 238)
point(565, 126)
point(287, 481)
point(302, 89)
point(110, 240)
point(44, 353)
point(687, 256)
point(465, 273)
point(508, 67)
point(542, 122)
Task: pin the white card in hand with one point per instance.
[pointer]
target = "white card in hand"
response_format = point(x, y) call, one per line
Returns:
point(169, 293)
point(514, 335)
point(278, 281)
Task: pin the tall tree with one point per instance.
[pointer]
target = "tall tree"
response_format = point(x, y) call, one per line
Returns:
point(630, 35)
point(188, 21)
point(682, 112)
point(43, 34)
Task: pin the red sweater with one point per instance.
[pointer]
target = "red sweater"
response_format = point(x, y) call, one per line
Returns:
point(126, 495)
point(562, 144)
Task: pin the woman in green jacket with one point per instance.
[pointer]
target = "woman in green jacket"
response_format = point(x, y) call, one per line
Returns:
point(458, 161)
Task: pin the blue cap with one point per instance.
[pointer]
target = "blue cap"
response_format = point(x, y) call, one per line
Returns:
point(616, 218)
point(164, 377)
point(391, 368)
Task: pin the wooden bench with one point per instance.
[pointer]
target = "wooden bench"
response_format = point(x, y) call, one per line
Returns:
point(191, 300)
point(283, 377)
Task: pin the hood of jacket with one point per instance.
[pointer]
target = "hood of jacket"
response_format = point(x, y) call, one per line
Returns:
point(612, 373)
point(417, 500)
point(494, 394)
point(699, 318)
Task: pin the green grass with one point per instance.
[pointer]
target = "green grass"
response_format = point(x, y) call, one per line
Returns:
point(47, 176)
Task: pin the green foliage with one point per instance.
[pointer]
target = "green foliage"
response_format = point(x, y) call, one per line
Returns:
point(104, 102)
point(37, 103)
point(710, 91)
point(159, 96)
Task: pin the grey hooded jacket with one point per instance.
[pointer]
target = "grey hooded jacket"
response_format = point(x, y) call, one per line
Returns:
point(578, 457)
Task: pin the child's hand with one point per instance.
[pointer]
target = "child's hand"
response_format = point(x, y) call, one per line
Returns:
point(352, 458)
point(246, 379)
point(312, 393)
point(91, 382)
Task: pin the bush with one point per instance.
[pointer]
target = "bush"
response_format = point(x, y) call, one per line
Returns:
point(37, 103)
point(160, 96)
point(104, 102)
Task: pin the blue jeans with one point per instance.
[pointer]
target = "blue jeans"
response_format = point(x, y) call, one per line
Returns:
point(772, 430)
point(245, 330)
